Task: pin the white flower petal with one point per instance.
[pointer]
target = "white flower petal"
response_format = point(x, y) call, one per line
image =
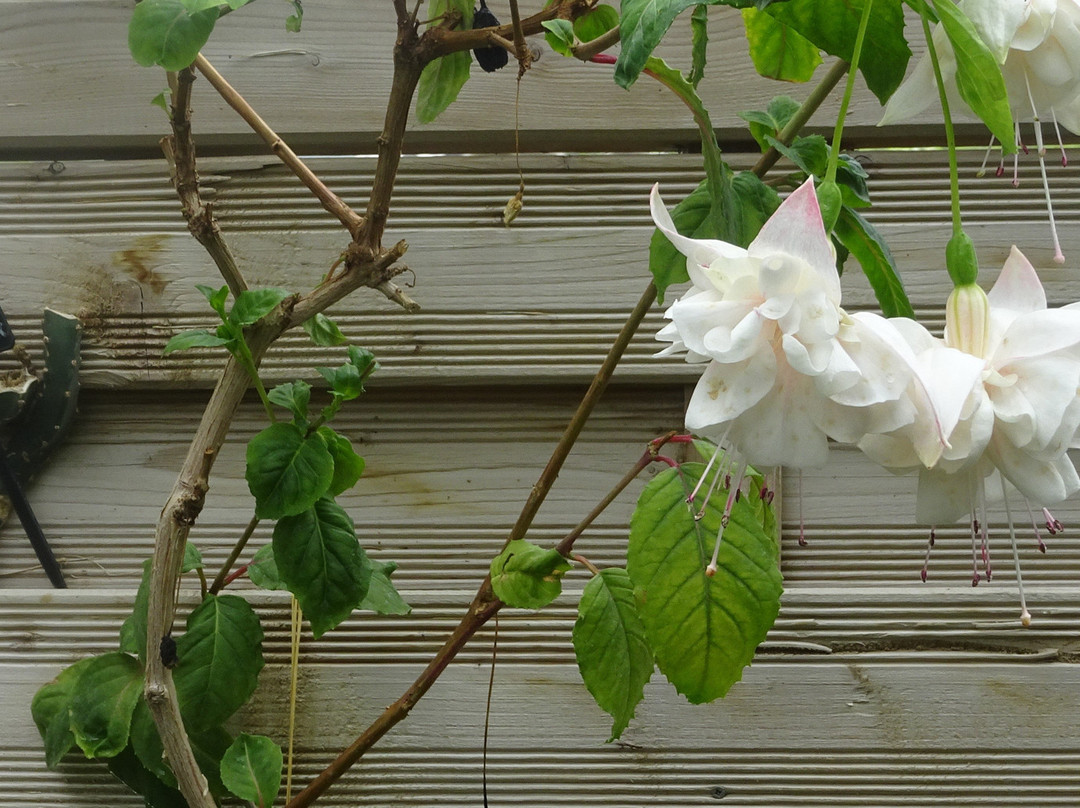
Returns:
point(736, 344)
point(997, 22)
point(726, 391)
point(943, 498)
point(781, 430)
point(1018, 287)
point(700, 253)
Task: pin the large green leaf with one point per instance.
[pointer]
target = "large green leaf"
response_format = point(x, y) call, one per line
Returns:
point(703, 630)
point(832, 25)
point(254, 304)
point(147, 746)
point(251, 769)
point(443, 78)
point(526, 576)
point(612, 652)
point(382, 597)
point(127, 767)
point(318, 556)
point(168, 33)
point(219, 659)
point(102, 702)
point(870, 250)
point(777, 51)
point(978, 74)
point(288, 470)
point(133, 630)
point(348, 465)
point(50, 709)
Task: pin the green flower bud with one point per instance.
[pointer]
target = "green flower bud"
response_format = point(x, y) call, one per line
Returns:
point(830, 201)
point(960, 260)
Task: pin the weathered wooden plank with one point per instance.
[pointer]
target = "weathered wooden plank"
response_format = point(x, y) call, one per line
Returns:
point(329, 85)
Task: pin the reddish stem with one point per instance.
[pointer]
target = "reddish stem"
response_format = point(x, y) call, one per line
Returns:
point(237, 573)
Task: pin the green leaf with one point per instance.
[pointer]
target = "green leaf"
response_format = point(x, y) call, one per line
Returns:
point(251, 769)
point(263, 570)
point(873, 255)
point(691, 218)
point(348, 465)
point(770, 121)
point(832, 25)
point(127, 768)
point(218, 661)
point(595, 23)
point(852, 177)
point(192, 558)
point(318, 556)
point(699, 43)
point(166, 33)
point(809, 153)
point(147, 746)
point(777, 51)
point(323, 331)
point(50, 709)
point(293, 396)
point(345, 381)
point(559, 35)
point(612, 652)
point(381, 595)
point(443, 78)
point(978, 74)
point(161, 100)
point(296, 19)
point(254, 304)
point(757, 202)
point(108, 689)
point(133, 630)
point(287, 470)
point(527, 576)
point(198, 338)
point(215, 297)
point(703, 630)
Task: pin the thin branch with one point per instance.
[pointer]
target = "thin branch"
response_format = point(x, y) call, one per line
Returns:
point(587, 50)
point(331, 201)
point(223, 573)
point(521, 50)
point(440, 41)
point(179, 149)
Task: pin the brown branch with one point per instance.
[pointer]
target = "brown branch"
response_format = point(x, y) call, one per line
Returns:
point(331, 201)
point(586, 50)
point(521, 50)
point(179, 149)
point(440, 41)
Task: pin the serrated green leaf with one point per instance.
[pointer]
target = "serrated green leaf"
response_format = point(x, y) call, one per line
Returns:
point(699, 43)
point(777, 51)
point(809, 153)
point(527, 576)
point(323, 331)
point(757, 202)
point(612, 651)
point(198, 338)
point(254, 304)
point(50, 709)
point(147, 746)
point(318, 556)
point(293, 396)
point(215, 297)
point(770, 121)
point(345, 381)
point(219, 657)
point(287, 470)
point(348, 465)
point(703, 630)
point(978, 74)
point(831, 25)
point(133, 630)
point(381, 596)
point(127, 768)
point(852, 177)
point(166, 33)
point(251, 769)
point(108, 689)
point(443, 78)
point(559, 34)
point(873, 255)
point(263, 570)
point(595, 23)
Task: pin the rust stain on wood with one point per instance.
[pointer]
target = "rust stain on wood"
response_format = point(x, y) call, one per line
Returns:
point(137, 261)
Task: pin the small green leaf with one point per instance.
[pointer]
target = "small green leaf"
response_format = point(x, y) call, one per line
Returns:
point(978, 74)
point(527, 576)
point(560, 36)
point(345, 381)
point(318, 556)
point(167, 33)
point(263, 570)
point(296, 19)
point(254, 304)
point(161, 100)
point(381, 595)
point(810, 153)
point(215, 297)
point(443, 78)
point(595, 23)
point(348, 465)
point(218, 661)
point(192, 558)
point(612, 652)
point(852, 177)
point(108, 689)
point(703, 630)
point(323, 331)
point(287, 470)
point(777, 51)
point(199, 338)
point(50, 709)
point(873, 255)
point(770, 121)
point(251, 769)
point(293, 396)
point(699, 43)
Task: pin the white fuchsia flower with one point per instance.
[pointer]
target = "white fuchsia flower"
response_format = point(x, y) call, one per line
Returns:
point(787, 366)
point(1037, 43)
point(1018, 420)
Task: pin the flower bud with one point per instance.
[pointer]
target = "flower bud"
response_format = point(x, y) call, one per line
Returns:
point(960, 259)
point(830, 201)
point(967, 319)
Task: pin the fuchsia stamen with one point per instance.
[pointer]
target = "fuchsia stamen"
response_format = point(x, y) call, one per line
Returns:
point(732, 498)
point(926, 558)
point(1052, 525)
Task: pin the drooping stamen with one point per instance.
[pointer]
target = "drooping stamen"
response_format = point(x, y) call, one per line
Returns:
point(926, 559)
point(1039, 543)
point(986, 158)
point(1016, 157)
point(1061, 143)
point(984, 527)
point(1059, 256)
point(802, 523)
point(722, 473)
point(1052, 524)
point(975, 577)
point(1025, 615)
point(704, 475)
point(732, 498)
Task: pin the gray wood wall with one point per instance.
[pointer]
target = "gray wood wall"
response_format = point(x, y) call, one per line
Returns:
point(873, 689)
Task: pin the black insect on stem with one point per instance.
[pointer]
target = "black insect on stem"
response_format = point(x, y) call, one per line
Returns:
point(167, 649)
point(492, 57)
